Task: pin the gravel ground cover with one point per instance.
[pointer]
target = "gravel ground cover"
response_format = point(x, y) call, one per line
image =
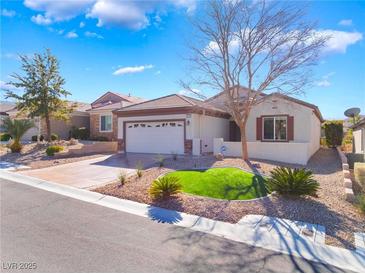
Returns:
point(329, 209)
point(34, 155)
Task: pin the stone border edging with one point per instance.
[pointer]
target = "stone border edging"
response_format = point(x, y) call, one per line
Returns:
point(349, 193)
point(299, 247)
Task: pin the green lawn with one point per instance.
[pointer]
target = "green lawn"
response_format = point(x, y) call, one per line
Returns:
point(222, 183)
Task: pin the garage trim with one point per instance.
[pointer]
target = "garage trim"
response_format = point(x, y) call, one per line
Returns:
point(147, 121)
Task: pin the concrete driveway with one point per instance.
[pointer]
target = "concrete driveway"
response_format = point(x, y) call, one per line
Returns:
point(93, 172)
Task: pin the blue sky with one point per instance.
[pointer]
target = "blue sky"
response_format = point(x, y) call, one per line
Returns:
point(139, 47)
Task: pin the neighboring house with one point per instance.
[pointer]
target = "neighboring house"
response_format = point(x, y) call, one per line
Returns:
point(359, 136)
point(79, 118)
point(279, 128)
point(348, 123)
point(102, 121)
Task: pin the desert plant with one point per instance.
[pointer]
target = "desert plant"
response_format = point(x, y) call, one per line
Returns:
point(122, 177)
point(360, 202)
point(54, 137)
point(5, 137)
point(165, 187)
point(35, 138)
point(139, 167)
point(298, 181)
point(51, 150)
point(160, 160)
point(17, 128)
point(334, 133)
point(81, 133)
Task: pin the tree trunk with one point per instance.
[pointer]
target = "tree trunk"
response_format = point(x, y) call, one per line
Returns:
point(244, 142)
point(48, 125)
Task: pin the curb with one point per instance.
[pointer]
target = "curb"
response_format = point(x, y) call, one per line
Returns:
point(239, 232)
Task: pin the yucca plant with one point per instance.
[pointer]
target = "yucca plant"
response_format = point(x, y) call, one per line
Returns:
point(16, 128)
point(139, 167)
point(165, 187)
point(297, 181)
point(160, 160)
point(122, 178)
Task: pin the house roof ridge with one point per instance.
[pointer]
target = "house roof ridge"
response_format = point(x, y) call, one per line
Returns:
point(147, 101)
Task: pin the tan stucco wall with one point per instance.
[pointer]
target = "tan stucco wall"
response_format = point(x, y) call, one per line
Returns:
point(95, 126)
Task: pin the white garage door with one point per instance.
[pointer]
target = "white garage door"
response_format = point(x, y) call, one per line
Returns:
point(155, 137)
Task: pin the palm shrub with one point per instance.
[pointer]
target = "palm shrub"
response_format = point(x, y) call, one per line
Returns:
point(297, 181)
point(165, 187)
point(16, 128)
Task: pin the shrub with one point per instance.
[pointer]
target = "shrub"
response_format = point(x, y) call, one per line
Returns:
point(51, 150)
point(34, 138)
point(139, 167)
point(298, 181)
point(15, 147)
point(160, 160)
point(5, 137)
point(122, 177)
point(334, 133)
point(99, 139)
point(359, 174)
point(164, 187)
point(81, 133)
point(360, 202)
point(54, 137)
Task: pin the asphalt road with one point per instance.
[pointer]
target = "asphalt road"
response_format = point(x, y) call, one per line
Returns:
point(54, 233)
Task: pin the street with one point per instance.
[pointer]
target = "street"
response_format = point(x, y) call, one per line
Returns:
point(47, 232)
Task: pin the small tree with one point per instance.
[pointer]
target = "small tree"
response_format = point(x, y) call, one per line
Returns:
point(334, 133)
point(43, 89)
point(16, 128)
point(264, 46)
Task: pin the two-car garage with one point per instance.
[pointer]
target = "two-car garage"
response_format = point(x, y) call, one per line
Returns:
point(165, 136)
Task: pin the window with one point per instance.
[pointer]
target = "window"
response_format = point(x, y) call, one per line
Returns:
point(105, 123)
point(275, 128)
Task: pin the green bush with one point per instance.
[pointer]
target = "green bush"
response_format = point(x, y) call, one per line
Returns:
point(334, 133)
point(34, 138)
point(165, 187)
point(360, 202)
point(51, 150)
point(81, 133)
point(347, 139)
point(54, 137)
point(359, 174)
point(99, 139)
point(298, 181)
point(5, 137)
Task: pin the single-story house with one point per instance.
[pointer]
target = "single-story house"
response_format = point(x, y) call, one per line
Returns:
point(279, 128)
point(358, 133)
point(79, 118)
point(102, 121)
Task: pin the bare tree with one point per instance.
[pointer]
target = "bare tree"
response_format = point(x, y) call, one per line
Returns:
point(264, 47)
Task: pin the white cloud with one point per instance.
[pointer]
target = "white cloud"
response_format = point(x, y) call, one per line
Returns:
point(59, 10)
point(130, 14)
point(82, 24)
point(114, 12)
point(10, 56)
point(71, 35)
point(158, 72)
point(345, 22)
point(325, 81)
point(39, 19)
point(8, 13)
point(93, 35)
point(135, 69)
point(339, 41)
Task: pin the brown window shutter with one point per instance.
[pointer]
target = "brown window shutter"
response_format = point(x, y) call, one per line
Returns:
point(259, 128)
point(290, 128)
